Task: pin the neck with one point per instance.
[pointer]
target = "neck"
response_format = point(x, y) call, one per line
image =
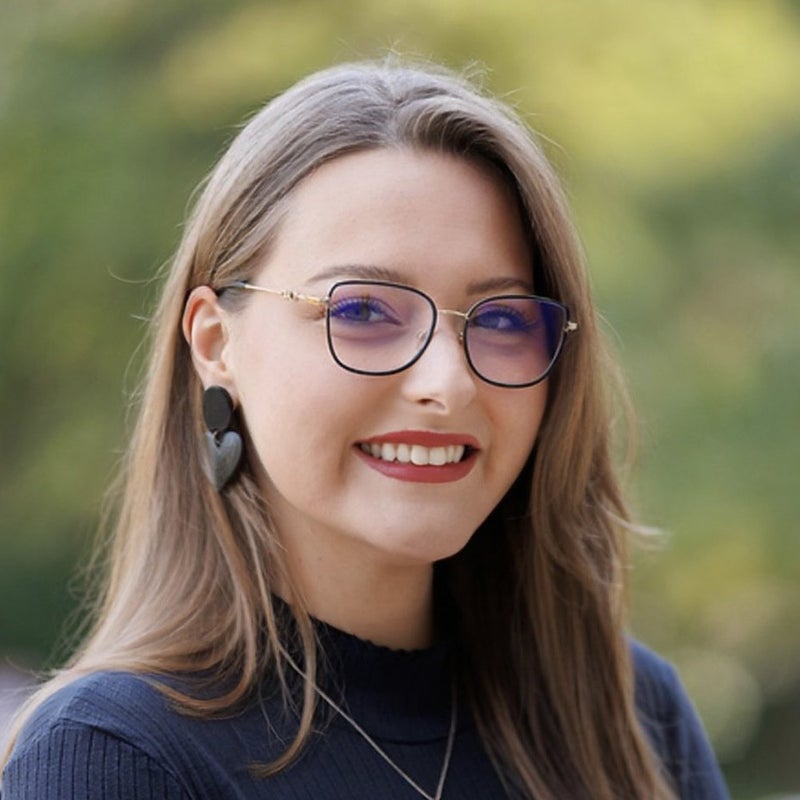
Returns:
point(389, 607)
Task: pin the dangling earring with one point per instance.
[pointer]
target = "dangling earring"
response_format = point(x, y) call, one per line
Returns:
point(224, 444)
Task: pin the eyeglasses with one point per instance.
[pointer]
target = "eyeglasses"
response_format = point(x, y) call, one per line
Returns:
point(381, 328)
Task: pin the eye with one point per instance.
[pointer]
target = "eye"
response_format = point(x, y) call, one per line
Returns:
point(503, 318)
point(362, 309)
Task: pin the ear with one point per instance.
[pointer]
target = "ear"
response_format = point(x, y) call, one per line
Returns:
point(205, 328)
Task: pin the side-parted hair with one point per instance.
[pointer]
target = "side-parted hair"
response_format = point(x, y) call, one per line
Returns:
point(541, 586)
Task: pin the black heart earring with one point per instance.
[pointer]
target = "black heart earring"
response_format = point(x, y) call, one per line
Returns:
point(224, 444)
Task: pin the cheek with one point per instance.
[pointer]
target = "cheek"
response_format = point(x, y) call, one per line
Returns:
point(275, 383)
point(518, 423)
point(290, 433)
point(300, 408)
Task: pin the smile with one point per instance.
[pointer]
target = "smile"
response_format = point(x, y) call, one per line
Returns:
point(420, 456)
point(416, 454)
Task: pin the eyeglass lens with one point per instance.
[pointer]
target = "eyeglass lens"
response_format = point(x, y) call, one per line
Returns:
point(379, 329)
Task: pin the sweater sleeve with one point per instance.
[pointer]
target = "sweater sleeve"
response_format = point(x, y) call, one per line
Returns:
point(77, 762)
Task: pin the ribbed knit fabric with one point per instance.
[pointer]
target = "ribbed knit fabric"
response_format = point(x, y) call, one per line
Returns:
point(113, 736)
point(77, 761)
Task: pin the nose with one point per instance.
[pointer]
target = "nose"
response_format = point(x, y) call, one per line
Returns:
point(441, 378)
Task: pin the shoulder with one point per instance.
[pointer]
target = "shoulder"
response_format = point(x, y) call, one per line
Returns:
point(118, 736)
point(674, 727)
point(120, 703)
point(107, 731)
point(658, 687)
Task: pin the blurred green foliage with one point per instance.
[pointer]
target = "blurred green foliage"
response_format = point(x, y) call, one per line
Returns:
point(678, 131)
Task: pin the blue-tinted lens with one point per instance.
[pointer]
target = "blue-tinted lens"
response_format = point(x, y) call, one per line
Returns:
point(513, 340)
point(378, 328)
point(365, 313)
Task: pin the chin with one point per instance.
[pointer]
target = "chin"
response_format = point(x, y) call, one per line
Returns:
point(422, 550)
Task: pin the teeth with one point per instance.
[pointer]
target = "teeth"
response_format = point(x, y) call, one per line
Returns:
point(415, 453)
point(419, 455)
point(438, 456)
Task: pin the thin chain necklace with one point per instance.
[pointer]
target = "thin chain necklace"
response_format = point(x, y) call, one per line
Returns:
point(451, 737)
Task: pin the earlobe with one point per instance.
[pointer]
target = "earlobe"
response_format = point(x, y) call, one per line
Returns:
point(205, 329)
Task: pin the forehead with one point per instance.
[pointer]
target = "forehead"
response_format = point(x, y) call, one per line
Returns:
point(427, 216)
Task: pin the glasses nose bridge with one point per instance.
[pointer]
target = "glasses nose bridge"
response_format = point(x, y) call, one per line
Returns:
point(449, 312)
point(426, 337)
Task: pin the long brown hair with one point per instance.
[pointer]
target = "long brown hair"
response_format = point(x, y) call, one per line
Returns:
point(540, 586)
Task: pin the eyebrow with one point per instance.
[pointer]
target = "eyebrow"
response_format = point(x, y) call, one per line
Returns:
point(497, 283)
point(366, 271)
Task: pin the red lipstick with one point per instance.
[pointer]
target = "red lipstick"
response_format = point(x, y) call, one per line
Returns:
point(417, 473)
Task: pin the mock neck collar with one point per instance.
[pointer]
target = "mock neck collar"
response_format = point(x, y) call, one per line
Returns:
point(395, 694)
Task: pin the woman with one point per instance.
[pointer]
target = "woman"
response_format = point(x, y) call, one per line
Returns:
point(371, 542)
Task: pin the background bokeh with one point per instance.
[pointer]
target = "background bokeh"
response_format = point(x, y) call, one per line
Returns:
point(677, 129)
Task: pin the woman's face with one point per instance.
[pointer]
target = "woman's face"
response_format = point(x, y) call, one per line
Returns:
point(431, 221)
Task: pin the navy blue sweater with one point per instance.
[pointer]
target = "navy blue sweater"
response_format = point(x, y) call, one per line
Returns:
point(113, 736)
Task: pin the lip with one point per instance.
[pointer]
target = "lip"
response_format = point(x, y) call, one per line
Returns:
point(445, 473)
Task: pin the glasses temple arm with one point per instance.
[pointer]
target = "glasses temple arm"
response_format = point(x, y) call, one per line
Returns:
point(286, 294)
